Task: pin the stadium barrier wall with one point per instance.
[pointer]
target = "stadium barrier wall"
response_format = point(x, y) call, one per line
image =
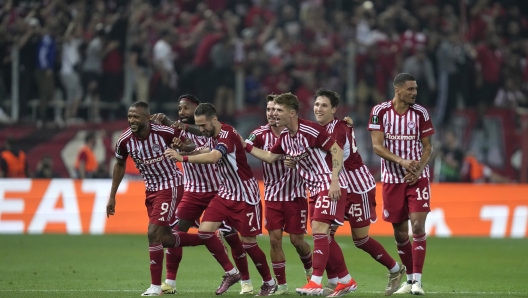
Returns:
point(66, 206)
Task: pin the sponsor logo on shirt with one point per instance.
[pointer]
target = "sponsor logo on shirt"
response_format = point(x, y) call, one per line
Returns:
point(399, 137)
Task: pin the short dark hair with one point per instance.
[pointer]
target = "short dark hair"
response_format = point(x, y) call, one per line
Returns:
point(89, 136)
point(142, 105)
point(402, 78)
point(190, 97)
point(288, 99)
point(205, 109)
point(331, 95)
point(271, 97)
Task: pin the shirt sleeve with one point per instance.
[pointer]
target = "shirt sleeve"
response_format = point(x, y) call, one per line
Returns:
point(340, 134)
point(375, 120)
point(324, 140)
point(121, 151)
point(255, 139)
point(226, 144)
point(426, 125)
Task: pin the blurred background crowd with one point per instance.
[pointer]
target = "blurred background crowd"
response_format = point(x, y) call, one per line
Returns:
point(79, 62)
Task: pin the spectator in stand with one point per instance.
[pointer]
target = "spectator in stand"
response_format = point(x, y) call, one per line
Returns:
point(92, 71)
point(421, 67)
point(44, 73)
point(71, 70)
point(223, 77)
point(139, 63)
point(163, 60)
point(44, 169)
point(490, 59)
point(28, 44)
point(476, 172)
point(86, 164)
point(13, 161)
point(452, 158)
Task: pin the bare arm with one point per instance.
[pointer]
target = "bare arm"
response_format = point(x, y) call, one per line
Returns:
point(206, 158)
point(265, 156)
point(194, 129)
point(186, 146)
point(198, 151)
point(337, 165)
point(378, 137)
point(117, 177)
point(412, 177)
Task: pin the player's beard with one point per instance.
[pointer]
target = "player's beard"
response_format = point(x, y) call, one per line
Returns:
point(187, 120)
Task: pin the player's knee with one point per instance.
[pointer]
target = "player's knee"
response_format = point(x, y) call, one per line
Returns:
point(418, 228)
point(297, 240)
point(276, 243)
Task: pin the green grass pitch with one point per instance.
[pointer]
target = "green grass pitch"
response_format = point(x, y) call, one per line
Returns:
point(117, 266)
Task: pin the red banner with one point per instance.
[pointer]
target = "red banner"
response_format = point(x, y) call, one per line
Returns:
point(78, 207)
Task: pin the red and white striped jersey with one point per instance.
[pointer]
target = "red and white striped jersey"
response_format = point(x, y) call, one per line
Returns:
point(237, 182)
point(199, 177)
point(309, 147)
point(355, 172)
point(157, 171)
point(280, 182)
point(403, 135)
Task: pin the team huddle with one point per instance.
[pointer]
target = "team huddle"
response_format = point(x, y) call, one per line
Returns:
point(300, 159)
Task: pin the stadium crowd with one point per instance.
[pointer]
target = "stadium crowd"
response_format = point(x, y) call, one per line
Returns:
point(77, 57)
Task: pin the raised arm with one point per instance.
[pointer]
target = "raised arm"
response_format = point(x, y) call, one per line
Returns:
point(117, 177)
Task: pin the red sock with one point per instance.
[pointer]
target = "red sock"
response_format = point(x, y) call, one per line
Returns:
point(279, 269)
point(320, 253)
point(156, 263)
point(330, 268)
point(406, 254)
point(238, 253)
point(307, 260)
point(183, 239)
point(173, 258)
point(259, 259)
point(419, 247)
point(375, 250)
point(336, 258)
point(216, 248)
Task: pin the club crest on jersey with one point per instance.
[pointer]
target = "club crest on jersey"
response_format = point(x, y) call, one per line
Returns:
point(411, 124)
point(374, 119)
point(156, 148)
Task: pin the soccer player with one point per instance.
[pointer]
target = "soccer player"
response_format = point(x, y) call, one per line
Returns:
point(309, 145)
point(238, 198)
point(200, 187)
point(286, 205)
point(145, 143)
point(401, 135)
point(361, 197)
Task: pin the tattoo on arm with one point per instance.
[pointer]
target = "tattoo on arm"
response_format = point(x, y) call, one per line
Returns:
point(335, 163)
point(334, 150)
